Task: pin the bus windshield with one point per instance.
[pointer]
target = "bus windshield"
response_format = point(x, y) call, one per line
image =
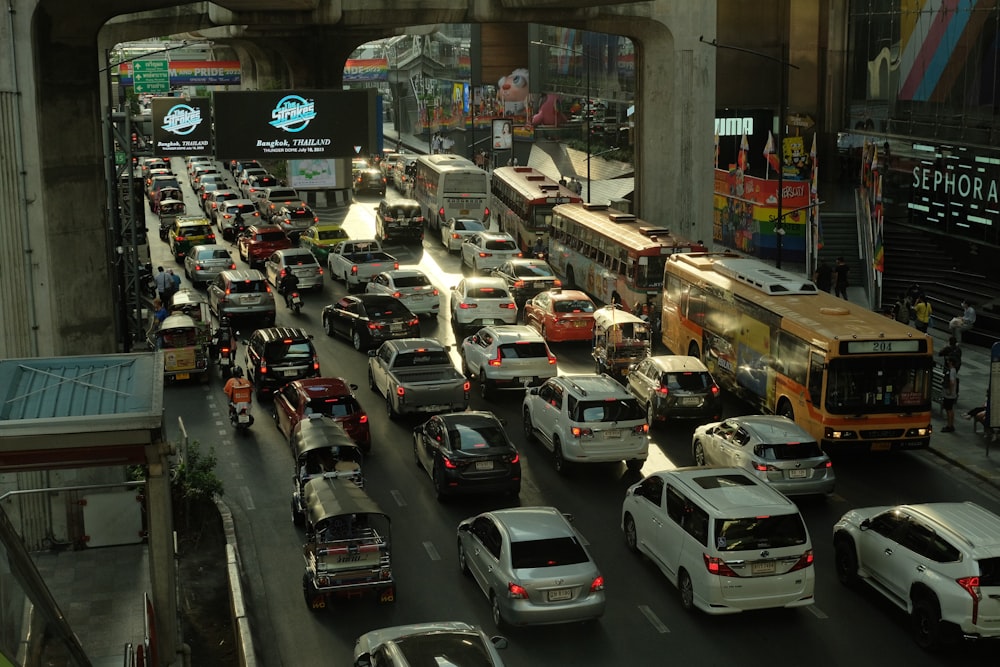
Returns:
point(651, 274)
point(542, 219)
point(869, 385)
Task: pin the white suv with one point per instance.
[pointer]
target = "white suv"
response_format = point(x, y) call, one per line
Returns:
point(939, 562)
point(587, 419)
point(488, 250)
point(507, 357)
point(478, 302)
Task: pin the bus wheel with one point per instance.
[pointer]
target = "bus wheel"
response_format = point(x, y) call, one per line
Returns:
point(693, 350)
point(570, 278)
point(785, 409)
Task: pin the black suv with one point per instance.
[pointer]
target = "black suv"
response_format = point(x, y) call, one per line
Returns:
point(399, 220)
point(277, 356)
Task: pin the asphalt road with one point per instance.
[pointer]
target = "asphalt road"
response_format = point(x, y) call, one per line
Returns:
point(644, 622)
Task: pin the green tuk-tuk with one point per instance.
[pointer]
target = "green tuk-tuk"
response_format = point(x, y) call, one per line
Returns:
point(322, 448)
point(620, 340)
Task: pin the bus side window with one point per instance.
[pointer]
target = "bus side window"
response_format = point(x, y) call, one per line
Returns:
point(815, 379)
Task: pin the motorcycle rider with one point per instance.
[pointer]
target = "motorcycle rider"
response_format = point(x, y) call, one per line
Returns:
point(223, 337)
point(538, 250)
point(289, 283)
point(239, 390)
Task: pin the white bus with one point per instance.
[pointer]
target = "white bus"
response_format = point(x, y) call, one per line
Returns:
point(451, 186)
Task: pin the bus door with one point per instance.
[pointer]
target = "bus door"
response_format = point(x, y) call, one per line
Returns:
point(817, 366)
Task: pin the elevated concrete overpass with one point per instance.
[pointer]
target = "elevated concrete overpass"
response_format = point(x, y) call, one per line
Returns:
point(56, 292)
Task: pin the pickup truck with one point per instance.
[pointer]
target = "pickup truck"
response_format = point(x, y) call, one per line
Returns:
point(416, 375)
point(357, 262)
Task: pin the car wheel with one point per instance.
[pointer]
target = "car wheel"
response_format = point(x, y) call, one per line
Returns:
point(529, 429)
point(465, 368)
point(463, 564)
point(544, 331)
point(356, 339)
point(371, 382)
point(557, 456)
point(327, 326)
point(389, 410)
point(650, 415)
point(928, 628)
point(699, 454)
point(495, 610)
point(484, 384)
point(686, 590)
point(187, 274)
point(438, 478)
point(845, 560)
point(631, 537)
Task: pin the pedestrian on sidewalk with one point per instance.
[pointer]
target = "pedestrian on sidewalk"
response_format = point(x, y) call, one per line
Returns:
point(900, 310)
point(950, 394)
point(840, 288)
point(922, 312)
point(952, 351)
point(964, 321)
point(163, 284)
point(824, 276)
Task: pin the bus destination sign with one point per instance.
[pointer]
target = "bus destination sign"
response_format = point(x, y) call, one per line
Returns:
point(883, 346)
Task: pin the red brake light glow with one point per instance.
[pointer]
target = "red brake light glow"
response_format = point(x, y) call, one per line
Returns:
point(718, 567)
point(516, 591)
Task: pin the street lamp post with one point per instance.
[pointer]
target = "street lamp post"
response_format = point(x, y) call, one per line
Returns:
point(585, 54)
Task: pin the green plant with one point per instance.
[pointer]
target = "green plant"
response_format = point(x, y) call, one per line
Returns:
point(195, 478)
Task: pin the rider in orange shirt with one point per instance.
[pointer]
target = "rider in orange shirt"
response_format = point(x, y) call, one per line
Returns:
point(238, 389)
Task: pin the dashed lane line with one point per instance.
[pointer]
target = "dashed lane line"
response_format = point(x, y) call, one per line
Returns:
point(816, 611)
point(653, 619)
point(247, 498)
point(432, 551)
point(398, 497)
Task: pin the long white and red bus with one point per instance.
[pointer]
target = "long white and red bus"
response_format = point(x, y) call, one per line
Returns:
point(451, 186)
point(522, 199)
point(615, 257)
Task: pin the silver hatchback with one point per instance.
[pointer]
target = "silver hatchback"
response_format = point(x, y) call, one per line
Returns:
point(773, 449)
point(242, 293)
point(299, 261)
point(204, 262)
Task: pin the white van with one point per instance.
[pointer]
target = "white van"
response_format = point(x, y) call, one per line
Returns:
point(728, 541)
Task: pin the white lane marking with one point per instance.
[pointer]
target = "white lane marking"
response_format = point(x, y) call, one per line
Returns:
point(247, 498)
point(653, 620)
point(816, 611)
point(398, 497)
point(432, 551)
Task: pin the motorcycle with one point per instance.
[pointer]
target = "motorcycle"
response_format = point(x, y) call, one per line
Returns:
point(240, 417)
point(223, 348)
point(294, 302)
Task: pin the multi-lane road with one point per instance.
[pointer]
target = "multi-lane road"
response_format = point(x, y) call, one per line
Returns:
point(644, 622)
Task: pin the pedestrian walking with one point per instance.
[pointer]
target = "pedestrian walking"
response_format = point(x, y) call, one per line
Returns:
point(964, 321)
point(900, 310)
point(163, 284)
point(953, 352)
point(841, 270)
point(950, 395)
point(824, 276)
point(175, 282)
point(922, 312)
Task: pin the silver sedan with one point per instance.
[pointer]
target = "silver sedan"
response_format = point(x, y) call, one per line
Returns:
point(411, 286)
point(532, 566)
point(774, 449)
point(204, 262)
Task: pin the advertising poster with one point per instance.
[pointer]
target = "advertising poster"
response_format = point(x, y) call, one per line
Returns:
point(312, 174)
point(181, 126)
point(313, 124)
point(503, 133)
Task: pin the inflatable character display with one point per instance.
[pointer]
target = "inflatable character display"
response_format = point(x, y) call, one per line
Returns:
point(548, 112)
point(512, 92)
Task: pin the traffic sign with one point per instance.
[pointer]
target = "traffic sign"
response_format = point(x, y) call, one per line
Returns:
point(151, 76)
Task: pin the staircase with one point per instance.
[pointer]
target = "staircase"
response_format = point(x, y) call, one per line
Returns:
point(840, 239)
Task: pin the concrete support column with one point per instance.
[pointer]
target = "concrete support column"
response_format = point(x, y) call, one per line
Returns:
point(162, 574)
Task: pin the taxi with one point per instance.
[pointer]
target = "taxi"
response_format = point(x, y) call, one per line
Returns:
point(187, 232)
point(319, 239)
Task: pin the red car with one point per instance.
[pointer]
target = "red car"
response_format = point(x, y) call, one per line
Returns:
point(561, 315)
point(332, 397)
point(259, 241)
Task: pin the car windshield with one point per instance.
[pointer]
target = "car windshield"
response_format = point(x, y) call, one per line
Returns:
point(524, 350)
point(279, 351)
point(332, 235)
point(760, 532)
point(501, 245)
point(469, 226)
point(784, 451)
point(332, 407)
point(608, 410)
point(488, 293)
point(690, 381)
point(573, 306)
point(444, 649)
point(552, 552)
point(411, 281)
point(532, 271)
point(474, 437)
point(271, 237)
point(246, 286)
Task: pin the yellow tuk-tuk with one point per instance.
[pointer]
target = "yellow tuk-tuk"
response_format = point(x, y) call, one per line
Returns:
point(322, 448)
point(191, 303)
point(168, 211)
point(620, 340)
point(184, 356)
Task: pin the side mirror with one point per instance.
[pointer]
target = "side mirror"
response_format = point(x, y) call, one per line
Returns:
point(372, 353)
point(866, 524)
point(353, 387)
point(533, 391)
point(499, 642)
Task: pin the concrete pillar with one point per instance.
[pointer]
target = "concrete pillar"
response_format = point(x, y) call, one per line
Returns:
point(162, 573)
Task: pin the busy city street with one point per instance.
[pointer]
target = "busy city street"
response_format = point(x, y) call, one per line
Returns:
point(644, 621)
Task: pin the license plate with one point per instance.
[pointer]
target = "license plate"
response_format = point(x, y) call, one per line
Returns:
point(398, 328)
point(182, 376)
point(691, 401)
point(416, 297)
point(580, 323)
point(290, 374)
point(763, 567)
point(797, 474)
point(251, 299)
point(243, 418)
point(489, 321)
point(464, 211)
point(436, 408)
point(881, 446)
point(610, 435)
point(484, 465)
point(560, 594)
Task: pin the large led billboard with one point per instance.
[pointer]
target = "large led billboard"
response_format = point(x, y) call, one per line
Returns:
point(181, 126)
point(294, 124)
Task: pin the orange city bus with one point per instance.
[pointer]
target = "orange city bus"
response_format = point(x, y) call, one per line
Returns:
point(613, 256)
point(522, 198)
point(852, 378)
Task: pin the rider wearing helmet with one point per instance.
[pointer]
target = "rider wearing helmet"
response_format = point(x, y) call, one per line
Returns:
point(289, 283)
point(238, 389)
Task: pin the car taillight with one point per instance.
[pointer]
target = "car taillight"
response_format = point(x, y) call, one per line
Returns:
point(283, 273)
point(597, 584)
point(465, 306)
point(397, 294)
point(485, 254)
point(178, 238)
point(374, 325)
point(448, 463)
point(434, 292)
point(363, 419)
point(552, 360)
point(557, 283)
point(263, 369)
point(486, 214)
point(518, 283)
point(509, 306)
point(197, 267)
point(441, 212)
point(664, 390)
point(764, 467)
point(414, 322)
point(520, 254)
point(232, 265)
point(467, 386)
point(825, 464)
point(718, 566)
point(641, 428)
point(804, 561)
point(516, 591)
point(354, 270)
point(400, 391)
point(580, 432)
point(499, 359)
point(456, 236)
point(715, 390)
point(316, 364)
point(395, 265)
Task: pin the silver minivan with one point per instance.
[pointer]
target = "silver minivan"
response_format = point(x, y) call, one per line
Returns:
point(242, 293)
point(299, 261)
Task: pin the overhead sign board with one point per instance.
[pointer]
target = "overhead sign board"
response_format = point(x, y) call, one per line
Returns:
point(299, 124)
point(151, 76)
point(181, 126)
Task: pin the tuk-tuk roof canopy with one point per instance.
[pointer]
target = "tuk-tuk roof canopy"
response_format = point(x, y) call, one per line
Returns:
point(186, 297)
point(608, 316)
point(317, 433)
point(328, 498)
point(177, 321)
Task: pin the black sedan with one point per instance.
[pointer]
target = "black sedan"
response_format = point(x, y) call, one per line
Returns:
point(526, 278)
point(369, 319)
point(467, 452)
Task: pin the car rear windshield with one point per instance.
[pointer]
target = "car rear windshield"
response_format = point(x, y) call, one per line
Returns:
point(760, 532)
point(411, 281)
point(788, 452)
point(332, 235)
point(525, 350)
point(332, 407)
point(303, 259)
point(568, 306)
point(219, 254)
point(280, 351)
point(241, 208)
point(469, 225)
point(607, 410)
point(532, 271)
point(501, 245)
point(300, 213)
point(416, 359)
point(196, 230)
point(444, 648)
point(552, 552)
point(387, 310)
point(466, 438)
point(689, 381)
point(405, 211)
point(265, 181)
point(271, 237)
point(282, 194)
point(488, 293)
point(246, 286)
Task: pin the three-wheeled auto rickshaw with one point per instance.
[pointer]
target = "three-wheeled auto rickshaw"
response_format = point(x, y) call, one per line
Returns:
point(194, 305)
point(322, 448)
point(168, 210)
point(620, 340)
point(184, 354)
point(347, 549)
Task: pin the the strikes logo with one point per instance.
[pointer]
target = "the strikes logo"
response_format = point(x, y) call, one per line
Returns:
point(293, 113)
point(182, 119)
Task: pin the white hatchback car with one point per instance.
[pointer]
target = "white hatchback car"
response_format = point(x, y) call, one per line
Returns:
point(411, 286)
point(456, 230)
point(484, 251)
point(300, 262)
point(477, 302)
point(507, 357)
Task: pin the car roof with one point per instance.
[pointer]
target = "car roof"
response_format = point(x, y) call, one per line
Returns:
point(514, 332)
point(401, 202)
point(470, 418)
point(369, 298)
point(324, 386)
point(486, 281)
point(292, 252)
point(527, 261)
point(280, 333)
point(596, 386)
point(773, 428)
point(240, 201)
point(969, 523)
point(406, 344)
point(266, 228)
point(212, 247)
point(678, 363)
point(534, 523)
point(731, 491)
point(493, 236)
point(187, 221)
point(404, 273)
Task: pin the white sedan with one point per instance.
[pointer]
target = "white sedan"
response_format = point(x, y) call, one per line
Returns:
point(456, 230)
point(410, 286)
